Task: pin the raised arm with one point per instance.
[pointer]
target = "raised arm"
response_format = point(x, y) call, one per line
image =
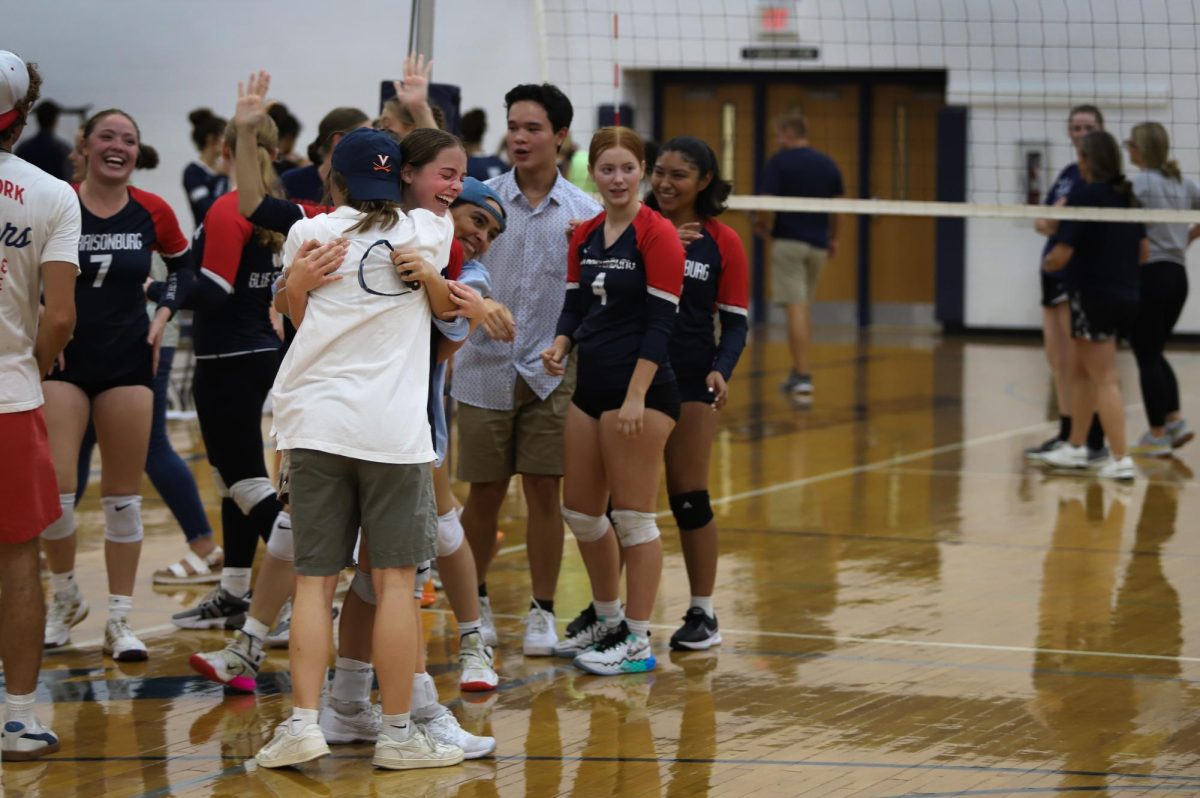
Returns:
point(251, 110)
point(412, 91)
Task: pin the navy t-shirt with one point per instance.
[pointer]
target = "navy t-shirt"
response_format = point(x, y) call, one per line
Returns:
point(1067, 179)
point(48, 153)
point(715, 281)
point(622, 299)
point(202, 186)
point(1105, 261)
point(303, 183)
point(485, 167)
point(802, 172)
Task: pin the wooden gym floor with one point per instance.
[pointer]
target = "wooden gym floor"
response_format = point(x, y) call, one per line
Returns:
point(908, 609)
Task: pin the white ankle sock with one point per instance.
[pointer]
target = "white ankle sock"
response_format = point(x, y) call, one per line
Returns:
point(398, 727)
point(256, 629)
point(236, 580)
point(466, 627)
point(609, 612)
point(303, 717)
point(18, 708)
point(639, 629)
point(705, 603)
point(119, 606)
point(64, 583)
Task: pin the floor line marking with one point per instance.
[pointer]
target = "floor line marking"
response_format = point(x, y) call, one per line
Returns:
point(894, 641)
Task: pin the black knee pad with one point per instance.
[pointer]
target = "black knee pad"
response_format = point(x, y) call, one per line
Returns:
point(691, 510)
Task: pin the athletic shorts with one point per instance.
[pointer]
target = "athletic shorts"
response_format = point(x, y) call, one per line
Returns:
point(1054, 289)
point(527, 439)
point(332, 496)
point(28, 487)
point(693, 388)
point(795, 270)
point(663, 397)
point(95, 372)
point(1100, 318)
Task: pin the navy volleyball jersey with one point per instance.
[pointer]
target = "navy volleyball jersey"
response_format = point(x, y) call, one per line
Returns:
point(1067, 179)
point(622, 300)
point(202, 186)
point(239, 269)
point(114, 263)
point(1106, 254)
point(716, 279)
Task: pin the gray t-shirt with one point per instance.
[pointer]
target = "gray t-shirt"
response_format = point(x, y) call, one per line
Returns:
point(1168, 242)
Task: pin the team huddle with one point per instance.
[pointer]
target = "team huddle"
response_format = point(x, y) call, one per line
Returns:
point(590, 343)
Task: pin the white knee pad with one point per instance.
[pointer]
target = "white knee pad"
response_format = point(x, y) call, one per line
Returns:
point(450, 534)
point(219, 484)
point(634, 528)
point(122, 518)
point(247, 493)
point(363, 587)
point(586, 528)
point(64, 527)
point(424, 574)
point(281, 545)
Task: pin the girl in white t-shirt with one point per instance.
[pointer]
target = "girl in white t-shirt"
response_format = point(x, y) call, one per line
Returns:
point(350, 406)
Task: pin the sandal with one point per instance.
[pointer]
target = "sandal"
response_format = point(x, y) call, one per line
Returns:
point(193, 570)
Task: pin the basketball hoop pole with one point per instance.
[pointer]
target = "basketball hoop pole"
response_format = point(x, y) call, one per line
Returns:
point(420, 28)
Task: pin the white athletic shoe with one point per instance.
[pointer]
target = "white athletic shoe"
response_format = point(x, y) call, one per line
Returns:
point(21, 742)
point(68, 609)
point(236, 665)
point(121, 643)
point(445, 729)
point(620, 652)
point(290, 747)
point(487, 624)
point(420, 750)
point(478, 674)
point(342, 728)
point(1118, 469)
point(540, 634)
point(582, 633)
point(1067, 456)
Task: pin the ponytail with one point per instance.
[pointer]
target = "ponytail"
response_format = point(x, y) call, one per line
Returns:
point(266, 136)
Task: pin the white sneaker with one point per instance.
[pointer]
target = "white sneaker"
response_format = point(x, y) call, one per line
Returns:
point(21, 742)
point(343, 728)
point(445, 729)
point(290, 747)
point(487, 624)
point(1118, 469)
point(478, 674)
point(620, 652)
point(236, 665)
point(1067, 456)
point(540, 634)
point(68, 609)
point(121, 643)
point(420, 750)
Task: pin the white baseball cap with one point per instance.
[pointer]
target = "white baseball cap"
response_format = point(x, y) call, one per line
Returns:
point(14, 85)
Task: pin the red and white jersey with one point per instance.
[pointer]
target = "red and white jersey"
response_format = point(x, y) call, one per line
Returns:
point(39, 223)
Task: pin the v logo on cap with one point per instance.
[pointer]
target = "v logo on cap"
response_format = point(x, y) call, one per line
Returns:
point(382, 163)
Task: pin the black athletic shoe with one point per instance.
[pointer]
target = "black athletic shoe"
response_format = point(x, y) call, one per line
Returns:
point(698, 633)
point(220, 609)
point(1048, 445)
point(582, 633)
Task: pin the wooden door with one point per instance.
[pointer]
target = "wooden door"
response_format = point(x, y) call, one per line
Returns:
point(833, 128)
point(722, 115)
point(903, 167)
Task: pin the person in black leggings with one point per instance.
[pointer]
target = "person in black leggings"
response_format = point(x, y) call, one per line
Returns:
point(1164, 286)
point(237, 355)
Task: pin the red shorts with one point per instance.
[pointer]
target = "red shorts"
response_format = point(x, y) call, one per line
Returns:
point(28, 487)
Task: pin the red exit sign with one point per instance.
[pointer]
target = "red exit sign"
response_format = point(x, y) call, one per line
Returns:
point(776, 20)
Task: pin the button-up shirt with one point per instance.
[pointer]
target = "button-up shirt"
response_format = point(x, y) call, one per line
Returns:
point(528, 265)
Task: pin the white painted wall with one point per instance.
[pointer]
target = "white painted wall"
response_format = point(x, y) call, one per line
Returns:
point(1018, 64)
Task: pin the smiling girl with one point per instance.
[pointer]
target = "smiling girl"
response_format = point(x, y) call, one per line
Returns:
point(624, 277)
point(106, 372)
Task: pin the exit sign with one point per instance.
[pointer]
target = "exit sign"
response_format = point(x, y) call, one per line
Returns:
point(776, 20)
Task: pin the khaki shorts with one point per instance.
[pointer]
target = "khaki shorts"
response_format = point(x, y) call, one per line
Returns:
point(795, 270)
point(332, 496)
point(528, 439)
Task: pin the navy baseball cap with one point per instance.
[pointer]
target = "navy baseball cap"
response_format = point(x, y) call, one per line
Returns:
point(369, 161)
point(476, 192)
